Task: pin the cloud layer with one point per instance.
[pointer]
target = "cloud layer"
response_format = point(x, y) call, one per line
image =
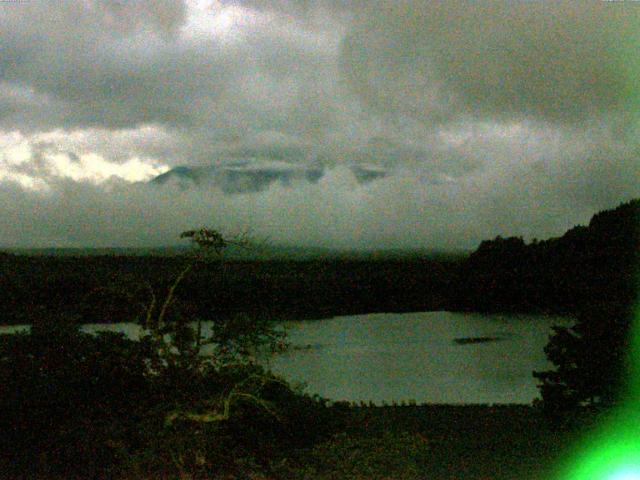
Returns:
point(495, 117)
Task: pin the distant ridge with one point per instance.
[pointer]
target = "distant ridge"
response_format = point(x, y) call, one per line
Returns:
point(593, 264)
point(259, 252)
point(89, 251)
point(255, 175)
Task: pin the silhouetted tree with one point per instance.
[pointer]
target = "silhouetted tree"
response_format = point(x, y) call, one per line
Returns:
point(559, 275)
point(597, 265)
point(70, 400)
point(182, 401)
point(590, 360)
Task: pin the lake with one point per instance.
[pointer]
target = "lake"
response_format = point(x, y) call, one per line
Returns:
point(428, 357)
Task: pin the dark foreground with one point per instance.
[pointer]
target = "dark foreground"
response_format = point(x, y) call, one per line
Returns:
point(437, 442)
point(73, 405)
point(417, 442)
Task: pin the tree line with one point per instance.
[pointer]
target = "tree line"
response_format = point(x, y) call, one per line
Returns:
point(589, 273)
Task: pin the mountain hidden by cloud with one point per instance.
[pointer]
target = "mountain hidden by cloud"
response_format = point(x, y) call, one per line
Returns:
point(254, 175)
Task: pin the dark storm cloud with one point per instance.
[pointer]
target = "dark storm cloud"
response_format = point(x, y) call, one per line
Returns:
point(495, 117)
point(119, 64)
point(558, 61)
point(81, 56)
point(123, 64)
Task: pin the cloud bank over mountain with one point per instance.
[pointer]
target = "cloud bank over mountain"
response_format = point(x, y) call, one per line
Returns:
point(512, 118)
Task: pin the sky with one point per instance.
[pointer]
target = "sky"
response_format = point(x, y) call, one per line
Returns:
point(512, 118)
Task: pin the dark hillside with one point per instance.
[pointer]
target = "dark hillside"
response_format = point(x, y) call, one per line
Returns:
point(588, 264)
point(119, 288)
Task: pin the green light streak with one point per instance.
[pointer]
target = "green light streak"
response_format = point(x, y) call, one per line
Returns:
point(611, 451)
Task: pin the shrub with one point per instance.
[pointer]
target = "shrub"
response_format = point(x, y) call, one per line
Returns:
point(70, 400)
point(590, 360)
point(179, 402)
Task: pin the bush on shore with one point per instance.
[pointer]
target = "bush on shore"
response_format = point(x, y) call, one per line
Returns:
point(176, 403)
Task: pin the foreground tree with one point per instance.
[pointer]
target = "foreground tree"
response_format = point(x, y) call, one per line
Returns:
point(183, 401)
point(592, 358)
point(70, 401)
point(591, 361)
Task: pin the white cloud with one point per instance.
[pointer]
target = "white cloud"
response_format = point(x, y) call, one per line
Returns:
point(212, 20)
point(27, 182)
point(96, 169)
point(34, 161)
point(14, 149)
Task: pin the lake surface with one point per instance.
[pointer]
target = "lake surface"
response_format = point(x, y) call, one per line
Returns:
point(414, 356)
point(429, 357)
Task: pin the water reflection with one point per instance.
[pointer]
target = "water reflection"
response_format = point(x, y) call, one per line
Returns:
point(415, 356)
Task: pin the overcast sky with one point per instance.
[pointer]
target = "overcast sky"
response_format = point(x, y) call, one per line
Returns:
point(493, 117)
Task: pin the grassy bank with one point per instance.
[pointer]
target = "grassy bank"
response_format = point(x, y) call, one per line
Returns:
point(435, 442)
